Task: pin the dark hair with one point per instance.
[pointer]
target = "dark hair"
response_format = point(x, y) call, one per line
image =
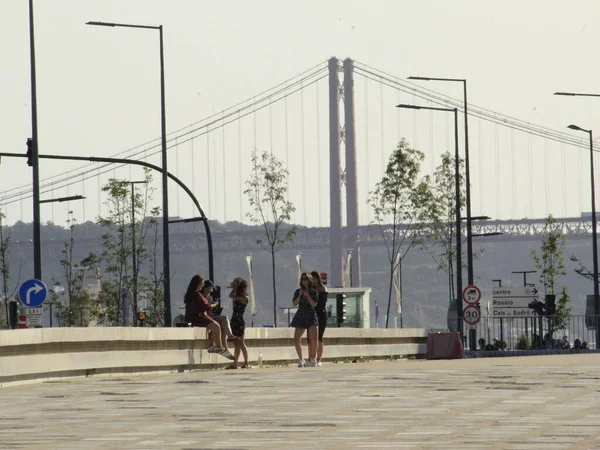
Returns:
point(207, 284)
point(235, 282)
point(308, 277)
point(316, 276)
point(195, 285)
point(241, 288)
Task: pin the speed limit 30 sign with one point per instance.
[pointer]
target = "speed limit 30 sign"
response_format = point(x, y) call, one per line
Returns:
point(472, 315)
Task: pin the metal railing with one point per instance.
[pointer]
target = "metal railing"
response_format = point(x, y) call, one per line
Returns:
point(537, 332)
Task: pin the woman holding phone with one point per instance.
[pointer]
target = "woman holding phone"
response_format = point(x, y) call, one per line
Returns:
point(306, 298)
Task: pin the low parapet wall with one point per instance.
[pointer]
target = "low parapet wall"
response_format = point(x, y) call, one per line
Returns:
point(41, 354)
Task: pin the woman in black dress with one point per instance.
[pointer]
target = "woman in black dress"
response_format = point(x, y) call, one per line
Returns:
point(239, 296)
point(321, 312)
point(305, 298)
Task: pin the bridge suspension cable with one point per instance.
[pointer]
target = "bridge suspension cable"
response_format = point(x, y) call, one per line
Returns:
point(15, 194)
point(391, 81)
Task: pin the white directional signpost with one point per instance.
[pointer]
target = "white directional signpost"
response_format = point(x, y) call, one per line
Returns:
point(32, 294)
point(513, 301)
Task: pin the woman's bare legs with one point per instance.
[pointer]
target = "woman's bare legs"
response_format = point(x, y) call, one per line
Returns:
point(225, 325)
point(312, 342)
point(242, 345)
point(320, 351)
point(236, 353)
point(215, 333)
point(298, 341)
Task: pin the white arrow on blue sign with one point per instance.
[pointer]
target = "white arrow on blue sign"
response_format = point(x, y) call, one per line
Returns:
point(33, 293)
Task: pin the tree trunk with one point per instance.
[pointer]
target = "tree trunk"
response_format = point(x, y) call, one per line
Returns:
point(401, 294)
point(387, 317)
point(274, 291)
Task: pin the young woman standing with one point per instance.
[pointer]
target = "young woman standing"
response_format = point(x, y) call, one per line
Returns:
point(305, 298)
point(239, 296)
point(320, 309)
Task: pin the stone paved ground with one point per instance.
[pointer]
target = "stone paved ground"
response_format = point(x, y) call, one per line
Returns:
point(538, 402)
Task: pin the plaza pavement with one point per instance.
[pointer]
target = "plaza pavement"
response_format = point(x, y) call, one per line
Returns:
point(542, 402)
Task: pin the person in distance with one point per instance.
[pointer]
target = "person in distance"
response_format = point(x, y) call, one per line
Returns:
point(321, 312)
point(239, 296)
point(305, 298)
point(196, 313)
point(223, 321)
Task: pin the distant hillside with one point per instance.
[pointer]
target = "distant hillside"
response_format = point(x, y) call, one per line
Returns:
point(425, 289)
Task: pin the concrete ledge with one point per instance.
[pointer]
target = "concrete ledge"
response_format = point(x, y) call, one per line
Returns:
point(45, 354)
point(511, 353)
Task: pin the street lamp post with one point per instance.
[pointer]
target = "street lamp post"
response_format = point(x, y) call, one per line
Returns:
point(467, 172)
point(63, 199)
point(37, 226)
point(133, 254)
point(594, 232)
point(459, 304)
point(165, 179)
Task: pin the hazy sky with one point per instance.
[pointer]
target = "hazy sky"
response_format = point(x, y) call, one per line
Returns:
point(98, 88)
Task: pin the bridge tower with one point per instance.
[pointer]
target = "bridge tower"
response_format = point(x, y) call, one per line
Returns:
point(335, 176)
point(347, 177)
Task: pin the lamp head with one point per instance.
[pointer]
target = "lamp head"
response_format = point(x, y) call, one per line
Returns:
point(576, 128)
point(101, 24)
point(408, 106)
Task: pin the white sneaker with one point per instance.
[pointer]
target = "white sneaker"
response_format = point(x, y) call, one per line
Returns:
point(312, 363)
point(215, 349)
point(301, 363)
point(319, 364)
point(227, 354)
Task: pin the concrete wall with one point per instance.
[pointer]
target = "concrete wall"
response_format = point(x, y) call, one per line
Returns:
point(46, 353)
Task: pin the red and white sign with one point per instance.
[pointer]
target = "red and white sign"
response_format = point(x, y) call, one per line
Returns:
point(472, 315)
point(22, 322)
point(324, 277)
point(471, 295)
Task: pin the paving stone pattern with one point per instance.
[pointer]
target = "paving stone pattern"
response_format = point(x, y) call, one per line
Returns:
point(542, 402)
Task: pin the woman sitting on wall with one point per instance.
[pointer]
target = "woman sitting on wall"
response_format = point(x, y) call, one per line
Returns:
point(197, 310)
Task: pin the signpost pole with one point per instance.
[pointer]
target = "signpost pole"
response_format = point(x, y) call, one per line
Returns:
point(471, 295)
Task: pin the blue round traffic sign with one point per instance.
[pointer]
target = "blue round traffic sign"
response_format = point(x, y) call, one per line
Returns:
point(33, 293)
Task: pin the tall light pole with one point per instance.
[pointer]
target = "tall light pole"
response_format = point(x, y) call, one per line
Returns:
point(467, 172)
point(34, 157)
point(165, 179)
point(459, 304)
point(133, 254)
point(594, 232)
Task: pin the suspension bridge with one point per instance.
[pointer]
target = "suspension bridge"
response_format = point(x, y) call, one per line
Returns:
point(334, 126)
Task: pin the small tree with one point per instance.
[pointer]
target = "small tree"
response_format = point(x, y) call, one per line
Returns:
point(122, 230)
point(440, 239)
point(5, 276)
point(550, 263)
point(152, 286)
point(266, 191)
point(76, 310)
point(403, 200)
point(563, 310)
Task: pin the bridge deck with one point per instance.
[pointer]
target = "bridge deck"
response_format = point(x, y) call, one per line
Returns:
point(545, 402)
